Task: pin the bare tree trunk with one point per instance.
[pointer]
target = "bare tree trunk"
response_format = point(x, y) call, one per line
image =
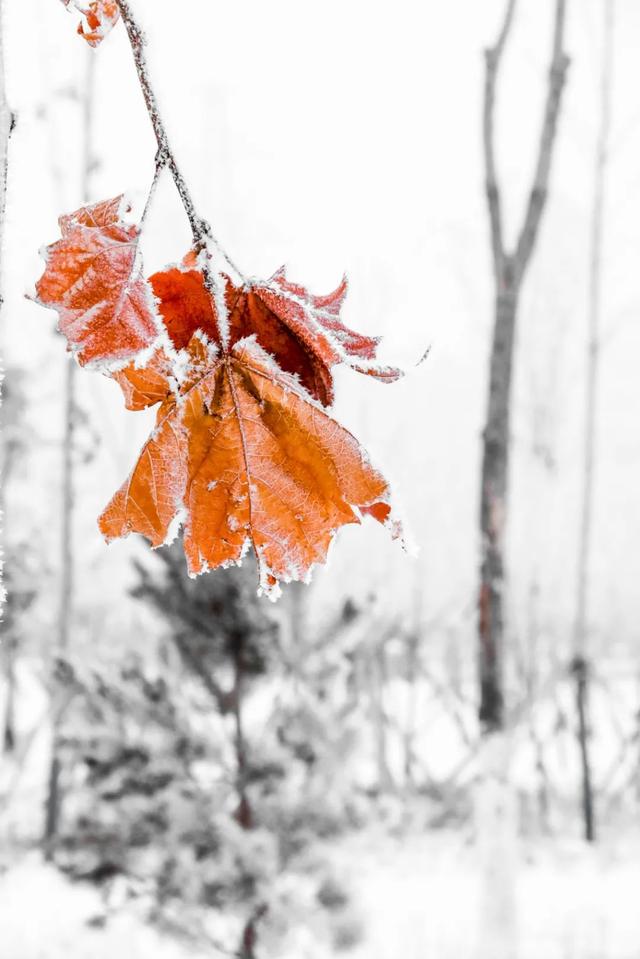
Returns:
point(495, 802)
point(54, 793)
point(495, 462)
point(8, 638)
point(509, 270)
point(580, 664)
point(7, 123)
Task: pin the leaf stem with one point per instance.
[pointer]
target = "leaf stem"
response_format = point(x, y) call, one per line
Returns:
point(159, 167)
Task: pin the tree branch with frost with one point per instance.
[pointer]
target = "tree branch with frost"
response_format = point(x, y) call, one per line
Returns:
point(165, 157)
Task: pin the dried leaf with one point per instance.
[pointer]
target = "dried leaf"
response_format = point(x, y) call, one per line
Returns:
point(301, 331)
point(93, 279)
point(243, 456)
point(100, 18)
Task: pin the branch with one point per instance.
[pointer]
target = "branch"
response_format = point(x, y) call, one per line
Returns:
point(493, 57)
point(165, 156)
point(7, 123)
point(200, 228)
point(538, 196)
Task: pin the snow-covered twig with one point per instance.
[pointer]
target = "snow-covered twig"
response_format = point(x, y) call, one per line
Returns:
point(165, 157)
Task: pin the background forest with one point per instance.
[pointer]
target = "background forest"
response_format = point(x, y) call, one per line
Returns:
point(189, 770)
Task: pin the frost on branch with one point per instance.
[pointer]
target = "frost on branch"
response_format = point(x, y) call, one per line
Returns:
point(247, 458)
point(93, 278)
point(100, 17)
point(301, 331)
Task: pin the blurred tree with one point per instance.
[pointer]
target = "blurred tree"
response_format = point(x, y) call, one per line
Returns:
point(71, 414)
point(510, 268)
point(209, 823)
point(580, 663)
point(17, 584)
point(495, 804)
point(7, 122)
point(218, 626)
point(21, 592)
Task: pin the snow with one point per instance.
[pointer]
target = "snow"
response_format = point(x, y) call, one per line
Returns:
point(422, 896)
point(64, 911)
point(417, 896)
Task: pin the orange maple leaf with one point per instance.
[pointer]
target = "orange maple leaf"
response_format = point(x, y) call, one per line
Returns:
point(101, 16)
point(302, 331)
point(93, 278)
point(243, 456)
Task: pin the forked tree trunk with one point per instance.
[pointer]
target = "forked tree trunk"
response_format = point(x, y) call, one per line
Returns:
point(495, 801)
point(581, 657)
point(510, 269)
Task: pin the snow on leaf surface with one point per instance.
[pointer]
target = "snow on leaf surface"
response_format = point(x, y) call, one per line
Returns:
point(100, 16)
point(301, 331)
point(247, 458)
point(93, 279)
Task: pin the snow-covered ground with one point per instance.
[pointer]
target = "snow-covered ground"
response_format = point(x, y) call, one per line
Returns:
point(417, 898)
point(43, 916)
point(422, 900)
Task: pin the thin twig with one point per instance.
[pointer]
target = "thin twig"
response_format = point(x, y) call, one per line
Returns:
point(159, 167)
point(200, 228)
point(165, 154)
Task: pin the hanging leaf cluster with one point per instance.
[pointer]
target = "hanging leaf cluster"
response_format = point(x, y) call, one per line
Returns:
point(245, 452)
